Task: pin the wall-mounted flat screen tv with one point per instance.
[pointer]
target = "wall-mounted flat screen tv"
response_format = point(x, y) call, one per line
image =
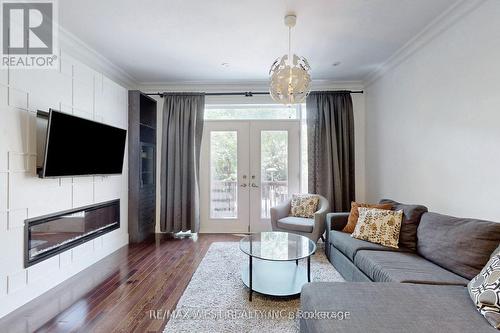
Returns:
point(76, 146)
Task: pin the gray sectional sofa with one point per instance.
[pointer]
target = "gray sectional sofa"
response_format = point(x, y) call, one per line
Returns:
point(425, 279)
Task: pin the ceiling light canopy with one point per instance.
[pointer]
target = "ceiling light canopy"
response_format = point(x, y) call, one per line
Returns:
point(290, 78)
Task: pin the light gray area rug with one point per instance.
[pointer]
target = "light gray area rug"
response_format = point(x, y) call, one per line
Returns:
point(216, 300)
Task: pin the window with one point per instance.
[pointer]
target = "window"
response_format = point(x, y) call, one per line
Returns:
point(265, 112)
point(251, 112)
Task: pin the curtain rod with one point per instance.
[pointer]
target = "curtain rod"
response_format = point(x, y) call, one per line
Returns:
point(247, 93)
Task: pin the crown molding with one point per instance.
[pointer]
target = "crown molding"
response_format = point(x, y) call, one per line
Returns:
point(85, 53)
point(82, 51)
point(439, 25)
point(238, 86)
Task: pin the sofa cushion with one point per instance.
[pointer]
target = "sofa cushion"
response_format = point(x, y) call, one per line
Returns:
point(350, 246)
point(460, 245)
point(411, 219)
point(404, 267)
point(346, 267)
point(390, 308)
point(292, 223)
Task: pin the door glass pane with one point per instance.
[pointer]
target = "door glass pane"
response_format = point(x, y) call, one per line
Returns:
point(223, 174)
point(274, 169)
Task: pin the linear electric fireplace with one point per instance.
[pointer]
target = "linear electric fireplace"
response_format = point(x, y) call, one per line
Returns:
point(48, 235)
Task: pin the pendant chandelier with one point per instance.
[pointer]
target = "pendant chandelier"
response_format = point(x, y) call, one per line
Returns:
point(290, 78)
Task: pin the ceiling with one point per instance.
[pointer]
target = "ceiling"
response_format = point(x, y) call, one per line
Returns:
point(160, 41)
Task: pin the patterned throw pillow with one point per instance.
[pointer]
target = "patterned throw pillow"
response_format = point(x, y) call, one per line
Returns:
point(379, 226)
point(484, 290)
point(304, 205)
point(354, 214)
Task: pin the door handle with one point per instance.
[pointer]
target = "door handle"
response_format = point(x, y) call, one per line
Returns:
point(244, 179)
point(253, 182)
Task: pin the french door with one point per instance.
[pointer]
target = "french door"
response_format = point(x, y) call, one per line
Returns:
point(246, 168)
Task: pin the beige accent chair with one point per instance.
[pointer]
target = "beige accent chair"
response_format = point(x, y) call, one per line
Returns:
point(313, 228)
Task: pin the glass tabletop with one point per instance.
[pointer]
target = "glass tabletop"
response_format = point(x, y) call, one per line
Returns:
point(278, 246)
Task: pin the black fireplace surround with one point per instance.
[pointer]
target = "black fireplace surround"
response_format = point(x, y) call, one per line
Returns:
point(49, 235)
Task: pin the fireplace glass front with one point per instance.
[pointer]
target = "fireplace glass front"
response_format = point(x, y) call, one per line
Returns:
point(49, 235)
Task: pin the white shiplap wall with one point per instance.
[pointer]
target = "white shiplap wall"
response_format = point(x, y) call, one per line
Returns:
point(74, 88)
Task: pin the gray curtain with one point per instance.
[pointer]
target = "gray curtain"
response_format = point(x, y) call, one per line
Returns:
point(330, 134)
point(180, 162)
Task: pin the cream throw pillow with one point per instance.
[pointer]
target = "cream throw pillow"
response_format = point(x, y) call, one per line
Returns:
point(304, 205)
point(379, 226)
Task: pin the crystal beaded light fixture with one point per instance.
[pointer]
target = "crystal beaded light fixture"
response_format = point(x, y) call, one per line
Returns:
point(290, 78)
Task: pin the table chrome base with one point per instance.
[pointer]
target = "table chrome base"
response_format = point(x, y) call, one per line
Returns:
point(275, 278)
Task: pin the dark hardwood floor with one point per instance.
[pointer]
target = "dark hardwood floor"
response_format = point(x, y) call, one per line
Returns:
point(118, 293)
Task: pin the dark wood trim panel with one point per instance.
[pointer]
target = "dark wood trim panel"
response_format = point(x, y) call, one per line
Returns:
point(141, 135)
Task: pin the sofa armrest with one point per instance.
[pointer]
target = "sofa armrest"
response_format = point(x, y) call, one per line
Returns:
point(336, 221)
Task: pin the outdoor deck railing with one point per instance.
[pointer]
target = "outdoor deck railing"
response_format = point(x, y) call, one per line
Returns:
point(224, 197)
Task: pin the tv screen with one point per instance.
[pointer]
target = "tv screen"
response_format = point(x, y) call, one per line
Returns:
point(76, 147)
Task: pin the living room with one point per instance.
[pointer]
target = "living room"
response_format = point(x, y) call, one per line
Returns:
point(250, 166)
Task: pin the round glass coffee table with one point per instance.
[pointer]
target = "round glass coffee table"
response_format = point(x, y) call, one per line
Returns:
point(273, 263)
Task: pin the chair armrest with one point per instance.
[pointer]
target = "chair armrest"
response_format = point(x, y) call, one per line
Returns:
point(322, 212)
point(319, 219)
point(279, 212)
point(320, 215)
